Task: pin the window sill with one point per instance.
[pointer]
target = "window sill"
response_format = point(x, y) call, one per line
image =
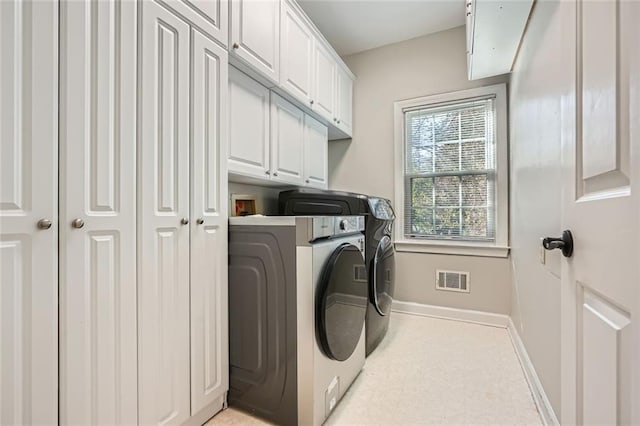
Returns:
point(460, 249)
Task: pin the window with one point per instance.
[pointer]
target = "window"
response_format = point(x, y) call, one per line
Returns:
point(451, 170)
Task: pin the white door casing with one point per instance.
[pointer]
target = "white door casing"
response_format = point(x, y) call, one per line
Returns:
point(316, 162)
point(296, 58)
point(600, 382)
point(98, 336)
point(28, 194)
point(287, 140)
point(163, 207)
point(255, 35)
point(209, 312)
point(248, 145)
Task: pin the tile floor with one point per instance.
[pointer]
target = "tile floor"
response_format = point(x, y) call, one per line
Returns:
point(432, 371)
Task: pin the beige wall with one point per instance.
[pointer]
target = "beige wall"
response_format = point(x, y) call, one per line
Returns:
point(266, 197)
point(419, 67)
point(537, 85)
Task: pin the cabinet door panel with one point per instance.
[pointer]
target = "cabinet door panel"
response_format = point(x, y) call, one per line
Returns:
point(212, 16)
point(345, 102)
point(209, 325)
point(248, 151)
point(315, 153)
point(28, 193)
point(255, 35)
point(287, 134)
point(98, 342)
point(163, 243)
point(325, 83)
point(296, 56)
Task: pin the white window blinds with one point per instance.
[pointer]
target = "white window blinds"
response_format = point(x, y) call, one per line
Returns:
point(449, 172)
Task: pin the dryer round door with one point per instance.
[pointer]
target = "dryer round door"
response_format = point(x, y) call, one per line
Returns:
point(383, 276)
point(341, 303)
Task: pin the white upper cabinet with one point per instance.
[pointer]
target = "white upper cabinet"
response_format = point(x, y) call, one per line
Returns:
point(248, 152)
point(211, 16)
point(315, 153)
point(344, 102)
point(324, 89)
point(296, 57)
point(255, 35)
point(287, 138)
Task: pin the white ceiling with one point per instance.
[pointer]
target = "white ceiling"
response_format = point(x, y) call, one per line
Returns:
point(352, 26)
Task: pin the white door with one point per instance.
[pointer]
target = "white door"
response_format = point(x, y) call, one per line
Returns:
point(163, 216)
point(287, 141)
point(98, 336)
point(344, 102)
point(255, 35)
point(28, 212)
point(600, 381)
point(315, 153)
point(248, 151)
point(296, 59)
point(324, 89)
point(209, 326)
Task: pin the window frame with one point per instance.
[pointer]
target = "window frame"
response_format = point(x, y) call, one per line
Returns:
point(497, 248)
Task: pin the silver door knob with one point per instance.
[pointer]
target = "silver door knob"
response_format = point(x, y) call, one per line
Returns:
point(184, 221)
point(77, 223)
point(44, 223)
point(200, 221)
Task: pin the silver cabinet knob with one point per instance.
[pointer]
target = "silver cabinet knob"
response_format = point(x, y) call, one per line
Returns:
point(235, 45)
point(306, 180)
point(335, 119)
point(44, 224)
point(184, 221)
point(338, 121)
point(77, 223)
point(267, 172)
point(200, 221)
point(311, 101)
point(275, 173)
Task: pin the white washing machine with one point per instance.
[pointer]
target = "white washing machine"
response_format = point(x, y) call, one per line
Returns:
point(297, 304)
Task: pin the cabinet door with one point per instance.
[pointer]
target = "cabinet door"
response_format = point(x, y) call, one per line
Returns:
point(163, 209)
point(248, 152)
point(287, 140)
point(255, 35)
point(296, 55)
point(324, 93)
point(345, 102)
point(28, 194)
point(209, 324)
point(212, 16)
point(315, 153)
point(98, 338)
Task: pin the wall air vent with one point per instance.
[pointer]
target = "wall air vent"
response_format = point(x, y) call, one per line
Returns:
point(452, 281)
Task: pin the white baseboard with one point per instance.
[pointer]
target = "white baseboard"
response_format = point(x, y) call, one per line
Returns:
point(476, 317)
point(539, 396)
point(545, 409)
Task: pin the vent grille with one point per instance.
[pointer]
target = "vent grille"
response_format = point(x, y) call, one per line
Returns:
point(359, 273)
point(452, 281)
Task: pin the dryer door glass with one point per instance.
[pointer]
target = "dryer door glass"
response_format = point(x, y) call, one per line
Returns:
point(341, 302)
point(383, 276)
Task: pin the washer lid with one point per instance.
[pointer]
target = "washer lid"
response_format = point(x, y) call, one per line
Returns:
point(341, 302)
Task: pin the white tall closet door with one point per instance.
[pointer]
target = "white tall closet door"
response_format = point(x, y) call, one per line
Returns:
point(287, 134)
point(98, 336)
point(28, 193)
point(163, 209)
point(316, 161)
point(209, 326)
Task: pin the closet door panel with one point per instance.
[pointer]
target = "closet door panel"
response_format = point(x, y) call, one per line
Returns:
point(163, 212)
point(97, 205)
point(209, 326)
point(28, 198)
